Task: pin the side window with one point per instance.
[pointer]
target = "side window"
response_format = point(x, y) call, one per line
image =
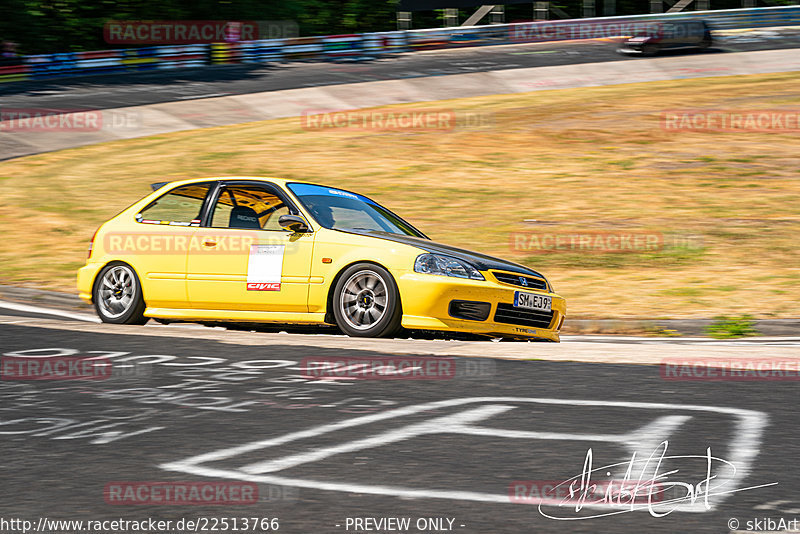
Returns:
point(181, 206)
point(272, 221)
point(248, 207)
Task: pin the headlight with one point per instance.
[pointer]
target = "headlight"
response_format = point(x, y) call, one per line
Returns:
point(446, 266)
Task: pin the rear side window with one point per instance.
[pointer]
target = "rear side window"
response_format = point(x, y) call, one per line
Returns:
point(248, 207)
point(180, 207)
point(696, 29)
point(681, 30)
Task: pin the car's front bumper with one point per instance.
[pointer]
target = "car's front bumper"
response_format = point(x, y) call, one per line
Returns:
point(426, 306)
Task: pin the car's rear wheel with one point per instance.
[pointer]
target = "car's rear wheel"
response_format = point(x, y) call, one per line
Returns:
point(367, 302)
point(117, 295)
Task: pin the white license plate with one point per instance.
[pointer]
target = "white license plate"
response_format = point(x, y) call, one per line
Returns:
point(532, 301)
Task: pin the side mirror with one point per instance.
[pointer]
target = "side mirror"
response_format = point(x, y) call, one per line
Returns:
point(293, 223)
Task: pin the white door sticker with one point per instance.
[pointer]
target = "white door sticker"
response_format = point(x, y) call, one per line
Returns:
point(264, 267)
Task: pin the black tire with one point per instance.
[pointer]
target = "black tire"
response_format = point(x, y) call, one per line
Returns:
point(357, 304)
point(117, 295)
point(650, 49)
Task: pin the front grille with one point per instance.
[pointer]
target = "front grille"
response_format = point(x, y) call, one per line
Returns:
point(508, 314)
point(471, 310)
point(520, 280)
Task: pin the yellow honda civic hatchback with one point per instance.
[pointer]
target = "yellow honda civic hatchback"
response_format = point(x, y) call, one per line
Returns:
point(264, 250)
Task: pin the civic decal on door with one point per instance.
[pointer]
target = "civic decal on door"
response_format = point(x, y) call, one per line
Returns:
point(264, 267)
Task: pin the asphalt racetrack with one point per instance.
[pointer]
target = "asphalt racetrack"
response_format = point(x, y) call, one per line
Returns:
point(325, 451)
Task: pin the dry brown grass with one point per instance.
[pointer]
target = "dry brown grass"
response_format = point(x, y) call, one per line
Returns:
point(580, 159)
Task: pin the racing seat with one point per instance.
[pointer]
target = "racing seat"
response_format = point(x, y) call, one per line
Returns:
point(244, 217)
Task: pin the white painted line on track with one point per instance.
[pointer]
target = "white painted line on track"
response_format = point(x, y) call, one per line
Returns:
point(48, 311)
point(743, 448)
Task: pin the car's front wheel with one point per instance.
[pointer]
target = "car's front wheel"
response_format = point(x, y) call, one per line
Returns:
point(650, 49)
point(117, 295)
point(367, 302)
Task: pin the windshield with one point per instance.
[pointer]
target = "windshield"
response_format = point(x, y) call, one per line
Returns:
point(341, 210)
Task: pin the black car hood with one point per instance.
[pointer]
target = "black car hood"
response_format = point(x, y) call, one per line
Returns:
point(481, 261)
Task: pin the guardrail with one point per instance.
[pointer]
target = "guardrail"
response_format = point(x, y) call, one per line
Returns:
point(357, 47)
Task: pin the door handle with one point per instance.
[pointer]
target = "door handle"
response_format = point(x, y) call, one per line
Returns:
point(209, 243)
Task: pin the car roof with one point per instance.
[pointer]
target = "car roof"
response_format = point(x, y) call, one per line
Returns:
point(272, 179)
point(280, 181)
